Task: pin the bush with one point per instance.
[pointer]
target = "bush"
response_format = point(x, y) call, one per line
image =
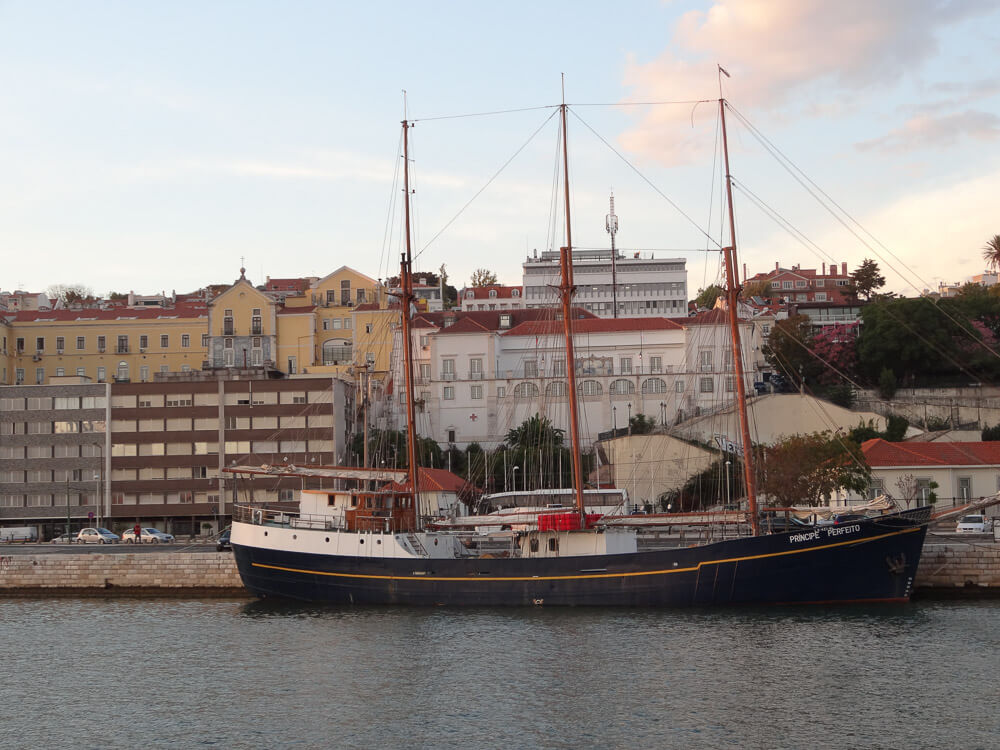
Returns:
point(841, 395)
point(991, 433)
point(895, 428)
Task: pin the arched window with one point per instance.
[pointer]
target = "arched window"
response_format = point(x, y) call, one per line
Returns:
point(654, 385)
point(525, 390)
point(590, 388)
point(337, 352)
point(556, 388)
point(122, 371)
point(493, 293)
point(621, 386)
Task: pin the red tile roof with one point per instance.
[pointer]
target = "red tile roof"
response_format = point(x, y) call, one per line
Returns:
point(436, 480)
point(483, 292)
point(881, 453)
point(187, 310)
point(286, 285)
point(594, 325)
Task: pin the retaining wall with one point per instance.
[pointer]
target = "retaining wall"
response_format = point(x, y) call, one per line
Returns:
point(960, 569)
point(148, 574)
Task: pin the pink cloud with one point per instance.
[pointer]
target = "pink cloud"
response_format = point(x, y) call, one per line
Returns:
point(774, 48)
point(936, 132)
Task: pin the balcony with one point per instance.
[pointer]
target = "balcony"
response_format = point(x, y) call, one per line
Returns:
point(476, 375)
point(228, 330)
point(447, 376)
point(121, 349)
point(256, 330)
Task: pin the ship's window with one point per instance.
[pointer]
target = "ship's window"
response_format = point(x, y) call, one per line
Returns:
point(361, 541)
point(553, 545)
point(328, 539)
point(533, 545)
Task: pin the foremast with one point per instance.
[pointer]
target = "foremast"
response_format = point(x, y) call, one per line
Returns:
point(732, 302)
point(406, 300)
point(566, 291)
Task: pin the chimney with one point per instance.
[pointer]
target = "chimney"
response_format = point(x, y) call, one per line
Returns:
point(824, 269)
point(843, 269)
point(777, 266)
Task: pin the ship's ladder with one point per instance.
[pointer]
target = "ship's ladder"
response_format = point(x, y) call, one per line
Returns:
point(416, 545)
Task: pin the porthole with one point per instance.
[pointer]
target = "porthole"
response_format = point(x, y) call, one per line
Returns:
point(265, 533)
point(328, 539)
point(295, 536)
point(435, 542)
point(362, 541)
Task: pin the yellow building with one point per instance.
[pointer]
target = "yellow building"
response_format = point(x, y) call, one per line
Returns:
point(338, 324)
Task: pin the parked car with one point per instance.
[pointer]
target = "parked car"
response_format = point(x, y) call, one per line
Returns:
point(93, 535)
point(67, 538)
point(848, 518)
point(974, 524)
point(222, 543)
point(148, 536)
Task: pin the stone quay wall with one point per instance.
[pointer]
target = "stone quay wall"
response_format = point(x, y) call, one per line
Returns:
point(960, 569)
point(184, 574)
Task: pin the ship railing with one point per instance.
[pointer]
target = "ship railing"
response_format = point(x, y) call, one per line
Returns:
point(271, 517)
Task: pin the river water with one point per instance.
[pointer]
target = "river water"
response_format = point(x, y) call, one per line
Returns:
point(239, 674)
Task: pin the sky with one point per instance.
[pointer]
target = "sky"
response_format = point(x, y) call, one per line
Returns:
point(157, 146)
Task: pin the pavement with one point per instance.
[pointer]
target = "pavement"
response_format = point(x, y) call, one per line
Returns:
point(108, 549)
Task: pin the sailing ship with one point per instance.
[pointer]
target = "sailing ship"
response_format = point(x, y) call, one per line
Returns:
point(364, 546)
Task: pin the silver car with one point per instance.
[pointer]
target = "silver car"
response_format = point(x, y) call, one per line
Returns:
point(92, 535)
point(148, 536)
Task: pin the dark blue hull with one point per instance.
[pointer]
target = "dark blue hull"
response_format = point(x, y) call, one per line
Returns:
point(871, 561)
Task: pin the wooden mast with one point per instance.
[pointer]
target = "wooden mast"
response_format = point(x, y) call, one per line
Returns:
point(405, 301)
point(566, 290)
point(732, 302)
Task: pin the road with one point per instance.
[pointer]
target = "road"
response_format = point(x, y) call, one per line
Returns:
point(113, 549)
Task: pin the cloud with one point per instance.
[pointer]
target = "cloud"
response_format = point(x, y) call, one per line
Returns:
point(775, 48)
point(925, 131)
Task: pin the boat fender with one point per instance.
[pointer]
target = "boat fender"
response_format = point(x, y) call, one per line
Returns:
point(258, 516)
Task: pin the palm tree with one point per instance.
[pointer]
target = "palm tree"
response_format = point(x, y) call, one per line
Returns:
point(991, 252)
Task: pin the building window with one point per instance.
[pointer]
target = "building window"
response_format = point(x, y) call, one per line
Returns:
point(501, 391)
point(144, 374)
point(185, 340)
point(706, 385)
point(449, 392)
point(101, 343)
point(122, 345)
point(531, 369)
point(81, 371)
point(164, 341)
point(448, 369)
point(525, 390)
point(40, 344)
point(559, 368)
point(821, 296)
point(656, 364)
point(39, 375)
point(625, 363)
point(800, 285)
point(786, 284)
point(204, 340)
point(102, 374)
point(81, 342)
point(60, 371)
point(256, 323)
point(477, 392)
point(705, 360)
point(654, 385)
point(730, 383)
point(621, 387)
point(60, 343)
point(591, 388)
point(345, 292)
point(227, 344)
point(122, 375)
point(228, 328)
point(476, 367)
point(425, 371)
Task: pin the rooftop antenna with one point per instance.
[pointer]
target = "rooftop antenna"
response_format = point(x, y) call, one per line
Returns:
point(611, 227)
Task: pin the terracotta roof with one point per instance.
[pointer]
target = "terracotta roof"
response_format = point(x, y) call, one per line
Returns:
point(286, 285)
point(436, 480)
point(188, 310)
point(295, 310)
point(714, 317)
point(881, 453)
point(594, 325)
point(478, 321)
point(483, 292)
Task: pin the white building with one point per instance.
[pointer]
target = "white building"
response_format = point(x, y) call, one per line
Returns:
point(644, 286)
point(479, 375)
point(493, 297)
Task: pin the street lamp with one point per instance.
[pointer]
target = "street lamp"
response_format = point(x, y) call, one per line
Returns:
point(614, 421)
point(514, 475)
point(630, 419)
point(727, 485)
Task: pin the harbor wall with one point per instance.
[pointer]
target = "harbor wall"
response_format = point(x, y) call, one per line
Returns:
point(187, 574)
point(953, 569)
point(959, 569)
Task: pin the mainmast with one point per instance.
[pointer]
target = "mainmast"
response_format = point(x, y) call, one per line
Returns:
point(566, 290)
point(732, 302)
point(406, 299)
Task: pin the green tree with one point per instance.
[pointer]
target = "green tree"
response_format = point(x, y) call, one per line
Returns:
point(787, 348)
point(887, 383)
point(867, 279)
point(707, 296)
point(483, 277)
point(757, 288)
point(805, 469)
point(640, 424)
point(68, 294)
point(991, 434)
point(991, 251)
